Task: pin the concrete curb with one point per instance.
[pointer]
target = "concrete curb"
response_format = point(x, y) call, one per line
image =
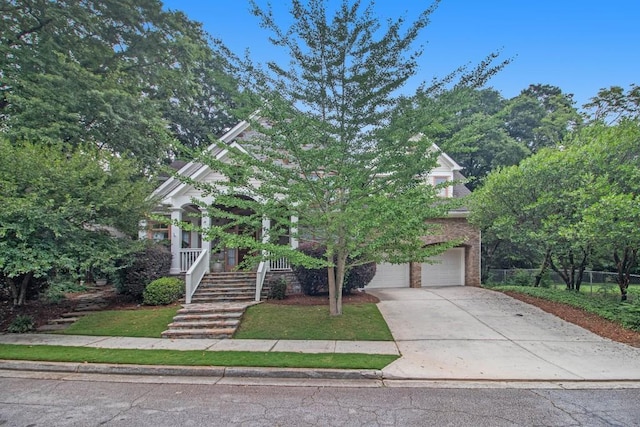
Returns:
point(191, 371)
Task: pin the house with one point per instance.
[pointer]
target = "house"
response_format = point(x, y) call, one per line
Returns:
point(457, 266)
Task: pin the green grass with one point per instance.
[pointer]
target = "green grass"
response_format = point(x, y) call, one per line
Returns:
point(360, 322)
point(194, 357)
point(604, 302)
point(143, 322)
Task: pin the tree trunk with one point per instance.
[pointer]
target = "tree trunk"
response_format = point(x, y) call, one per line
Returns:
point(336, 281)
point(581, 268)
point(562, 273)
point(333, 301)
point(340, 272)
point(19, 295)
point(543, 268)
point(624, 266)
point(13, 290)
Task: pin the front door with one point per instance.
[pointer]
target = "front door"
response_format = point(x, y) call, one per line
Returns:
point(230, 259)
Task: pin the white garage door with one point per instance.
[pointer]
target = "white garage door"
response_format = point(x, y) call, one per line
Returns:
point(448, 269)
point(390, 276)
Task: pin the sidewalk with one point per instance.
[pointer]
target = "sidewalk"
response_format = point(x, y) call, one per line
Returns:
point(293, 346)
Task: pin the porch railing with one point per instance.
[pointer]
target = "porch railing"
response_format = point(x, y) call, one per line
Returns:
point(194, 275)
point(187, 258)
point(279, 264)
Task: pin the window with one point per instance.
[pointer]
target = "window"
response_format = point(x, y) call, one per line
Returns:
point(159, 230)
point(439, 181)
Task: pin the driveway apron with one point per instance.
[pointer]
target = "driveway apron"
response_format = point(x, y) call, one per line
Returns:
point(469, 333)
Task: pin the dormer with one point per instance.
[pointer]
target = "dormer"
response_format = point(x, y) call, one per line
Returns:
point(447, 170)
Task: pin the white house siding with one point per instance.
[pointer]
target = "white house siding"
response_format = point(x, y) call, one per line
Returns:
point(390, 276)
point(448, 269)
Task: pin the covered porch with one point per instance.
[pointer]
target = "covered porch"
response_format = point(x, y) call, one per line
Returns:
point(188, 244)
point(194, 255)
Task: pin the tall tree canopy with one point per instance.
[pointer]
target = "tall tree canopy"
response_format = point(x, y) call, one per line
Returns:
point(612, 104)
point(467, 124)
point(541, 116)
point(125, 76)
point(575, 204)
point(483, 131)
point(330, 146)
point(64, 210)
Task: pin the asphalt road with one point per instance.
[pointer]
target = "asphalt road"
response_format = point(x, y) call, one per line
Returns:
point(86, 401)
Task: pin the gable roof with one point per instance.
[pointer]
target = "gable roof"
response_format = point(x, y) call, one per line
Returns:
point(195, 170)
point(445, 160)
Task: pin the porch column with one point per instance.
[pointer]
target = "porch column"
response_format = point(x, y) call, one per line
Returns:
point(266, 226)
point(176, 240)
point(294, 232)
point(205, 224)
point(142, 230)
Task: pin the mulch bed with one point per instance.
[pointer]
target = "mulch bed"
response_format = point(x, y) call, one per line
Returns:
point(596, 324)
point(301, 299)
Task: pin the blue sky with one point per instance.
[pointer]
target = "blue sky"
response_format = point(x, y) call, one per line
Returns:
point(577, 45)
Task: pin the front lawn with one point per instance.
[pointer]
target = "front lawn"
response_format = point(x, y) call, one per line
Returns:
point(359, 322)
point(143, 322)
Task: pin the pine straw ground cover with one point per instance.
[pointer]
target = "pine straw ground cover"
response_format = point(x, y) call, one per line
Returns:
point(580, 316)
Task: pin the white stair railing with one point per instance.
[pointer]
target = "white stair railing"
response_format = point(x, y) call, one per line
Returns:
point(188, 257)
point(194, 275)
point(263, 269)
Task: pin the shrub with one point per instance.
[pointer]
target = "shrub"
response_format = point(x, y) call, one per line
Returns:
point(521, 278)
point(149, 264)
point(314, 281)
point(21, 324)
point(163, 291)
point(278, 289)
point(359, 276)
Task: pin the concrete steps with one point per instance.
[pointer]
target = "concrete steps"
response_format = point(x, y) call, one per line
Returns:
point(210, 320)
point(94, 299)
point(216, 307)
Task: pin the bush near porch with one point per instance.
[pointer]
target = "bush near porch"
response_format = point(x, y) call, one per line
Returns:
point(314, 281)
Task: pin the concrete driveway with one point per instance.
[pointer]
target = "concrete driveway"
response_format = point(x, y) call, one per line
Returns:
point(468, 333)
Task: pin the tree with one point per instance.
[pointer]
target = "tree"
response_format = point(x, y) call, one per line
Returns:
point(125, 76)
point(611, 218)
point(541, 116)
point(612, 104)
point(467, 124)
point(327, 146)
point(575, 204)
point(63, 210)
point(534, 204)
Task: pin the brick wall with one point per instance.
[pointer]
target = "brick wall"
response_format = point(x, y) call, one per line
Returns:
point(293, 285)
point(458, 229)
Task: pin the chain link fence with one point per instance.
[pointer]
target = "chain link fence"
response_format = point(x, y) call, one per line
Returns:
point(527, 277)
